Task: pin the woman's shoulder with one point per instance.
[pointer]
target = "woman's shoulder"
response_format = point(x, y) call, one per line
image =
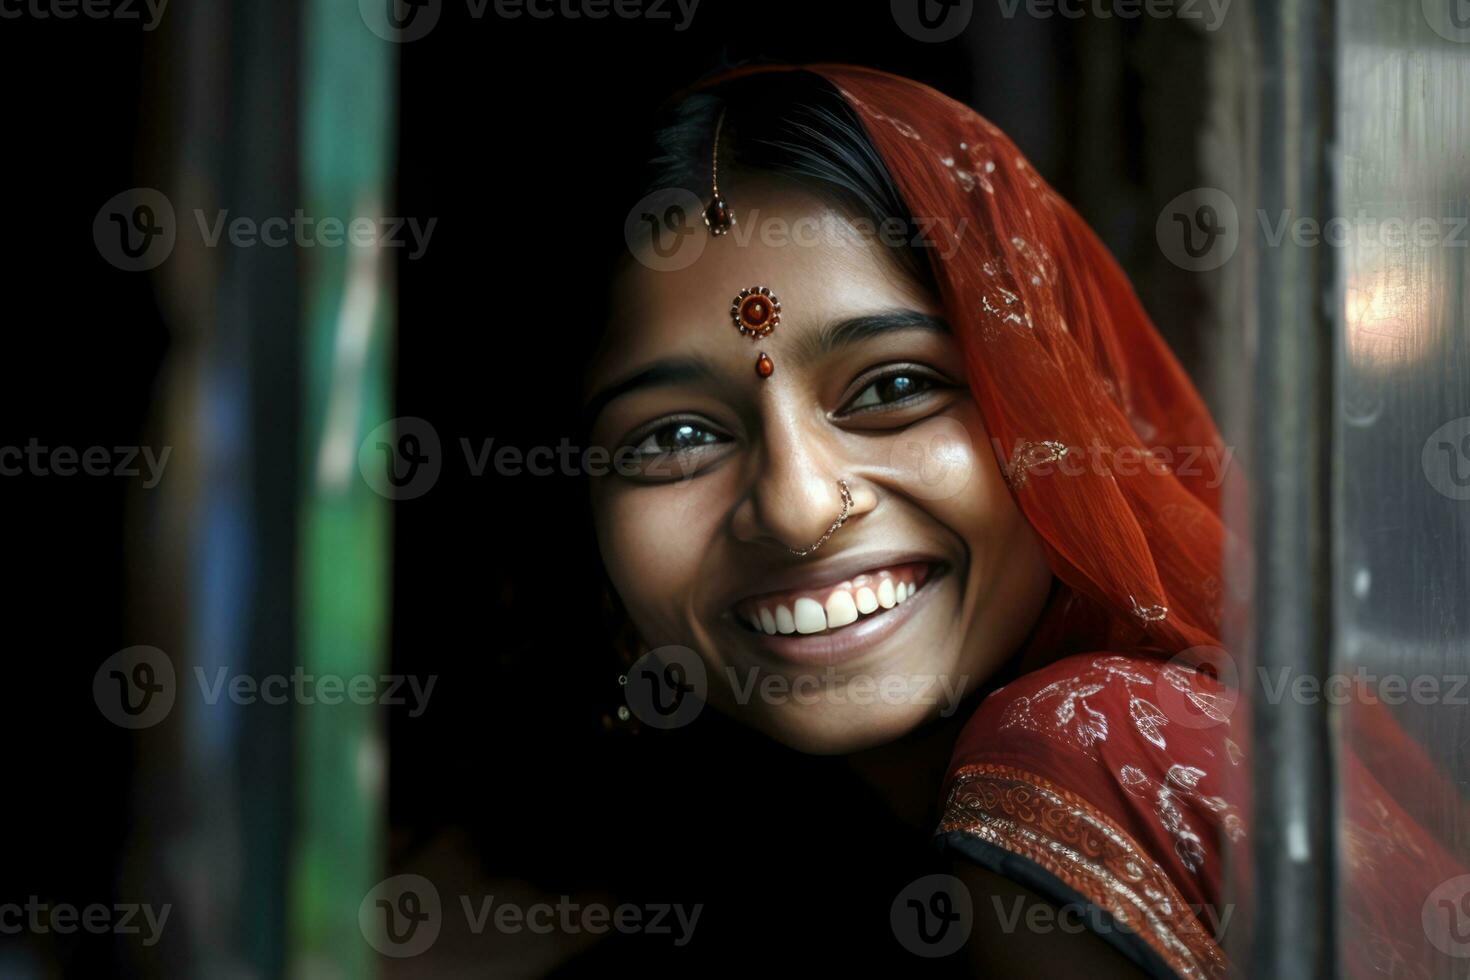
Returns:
point(1106, 780)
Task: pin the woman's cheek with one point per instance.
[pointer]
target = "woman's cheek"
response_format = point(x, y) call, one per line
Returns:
point(652, 550)
point(937, 459)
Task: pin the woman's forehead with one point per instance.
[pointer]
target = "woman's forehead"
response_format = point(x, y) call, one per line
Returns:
point(820, 263)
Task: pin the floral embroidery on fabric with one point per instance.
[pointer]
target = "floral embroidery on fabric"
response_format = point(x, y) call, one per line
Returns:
point(1061, 711)
point(1149, 614)
point(1027, 455)
point(903, 128)
point(1072, 711)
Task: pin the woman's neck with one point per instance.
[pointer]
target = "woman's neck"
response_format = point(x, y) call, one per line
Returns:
point(908, 773)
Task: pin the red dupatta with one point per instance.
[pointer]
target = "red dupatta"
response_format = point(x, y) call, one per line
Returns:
point(1110, 774)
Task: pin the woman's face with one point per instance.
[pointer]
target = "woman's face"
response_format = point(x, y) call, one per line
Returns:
point(934, 579)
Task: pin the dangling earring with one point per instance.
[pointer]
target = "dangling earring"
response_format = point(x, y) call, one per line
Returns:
point(627, 647)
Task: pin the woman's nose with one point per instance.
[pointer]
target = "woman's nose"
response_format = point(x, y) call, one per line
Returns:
point(796, 498)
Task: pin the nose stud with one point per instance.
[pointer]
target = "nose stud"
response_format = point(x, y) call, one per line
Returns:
point(841, 520)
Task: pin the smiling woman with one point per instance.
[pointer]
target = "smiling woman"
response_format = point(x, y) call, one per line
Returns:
point(841, 515)
point(950, 468)
point(751, 470)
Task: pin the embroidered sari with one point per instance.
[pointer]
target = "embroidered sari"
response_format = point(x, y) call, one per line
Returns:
point(1112, 772)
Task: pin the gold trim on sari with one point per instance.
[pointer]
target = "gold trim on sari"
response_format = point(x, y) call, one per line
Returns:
point(1033, 818)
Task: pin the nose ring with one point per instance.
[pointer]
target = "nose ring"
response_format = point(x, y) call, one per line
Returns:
point(841, 519)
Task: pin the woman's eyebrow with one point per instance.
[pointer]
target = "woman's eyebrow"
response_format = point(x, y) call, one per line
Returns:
point(660, 373)
point(843, 333)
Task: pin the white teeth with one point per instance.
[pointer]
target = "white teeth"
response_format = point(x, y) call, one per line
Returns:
point(784, 622)
point(809, 616)
point(768, 622)
point(840, 609)
point(844, 606)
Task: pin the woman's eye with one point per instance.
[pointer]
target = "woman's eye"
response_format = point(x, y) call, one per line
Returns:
point(891, 389)
point(676, 437)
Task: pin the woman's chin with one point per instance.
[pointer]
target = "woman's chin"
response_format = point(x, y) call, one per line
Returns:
point(837, 729)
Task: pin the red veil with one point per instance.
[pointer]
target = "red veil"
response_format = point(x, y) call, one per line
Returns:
point(1110, 774)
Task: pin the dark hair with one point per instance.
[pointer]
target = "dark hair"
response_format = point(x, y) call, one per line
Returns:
point(788, 125)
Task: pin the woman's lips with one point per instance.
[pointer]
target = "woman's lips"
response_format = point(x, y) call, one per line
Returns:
point(834, 606)
point(845, 604)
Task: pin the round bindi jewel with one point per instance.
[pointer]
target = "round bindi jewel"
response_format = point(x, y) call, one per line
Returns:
point(756, 311)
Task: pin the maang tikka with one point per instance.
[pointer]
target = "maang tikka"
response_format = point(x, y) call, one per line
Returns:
point(755, 311)
point(717, 217)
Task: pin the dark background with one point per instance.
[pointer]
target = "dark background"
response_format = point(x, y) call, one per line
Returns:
point(520, 136)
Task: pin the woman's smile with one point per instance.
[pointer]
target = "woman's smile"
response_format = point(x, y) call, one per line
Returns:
point(833, 614)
